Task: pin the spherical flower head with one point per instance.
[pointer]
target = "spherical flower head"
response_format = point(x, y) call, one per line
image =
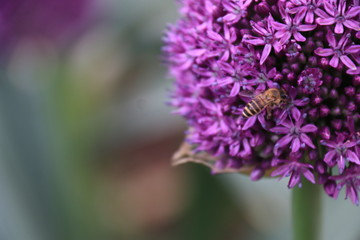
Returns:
point(227, 55)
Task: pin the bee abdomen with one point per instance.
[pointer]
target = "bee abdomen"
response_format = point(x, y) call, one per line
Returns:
point(254, 107)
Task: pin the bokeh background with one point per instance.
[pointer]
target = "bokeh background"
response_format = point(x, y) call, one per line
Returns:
point(86, 137)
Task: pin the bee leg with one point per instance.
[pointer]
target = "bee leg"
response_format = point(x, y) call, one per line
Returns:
point(268, 112)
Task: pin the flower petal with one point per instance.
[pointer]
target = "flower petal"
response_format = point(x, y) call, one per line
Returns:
point(330, 36)
point(324, 52)
point(299, 37)
point(309, 176)
point(334, 62)
point(309, 128)
point(352, 25)
point(285, 38)
point(295, 145)
point(339, 28)
point(352, 12)
point(309, 17)
point(214, 36)
point(265, 53)
point(295, 112)
point(306, 27)
point(352, 157)
point(353, 49)
point(282, 170)
point(341, 163)
point(321, 13)
point(347, 62)
point(283, 141)
point(249, 123)
point(305, 139)
point(280, 130)
point(235, 89)
point(325, 21)
point(196, 52)
point(351, 192)
point(294, 179)
point(329, 156)
point(330, 8)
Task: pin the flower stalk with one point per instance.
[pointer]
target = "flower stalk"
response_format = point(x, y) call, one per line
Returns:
point(306, 211)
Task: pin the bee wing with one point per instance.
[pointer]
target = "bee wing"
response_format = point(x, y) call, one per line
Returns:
point(247, 93)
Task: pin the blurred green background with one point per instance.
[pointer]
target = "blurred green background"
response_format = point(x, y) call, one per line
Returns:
point(86, 137)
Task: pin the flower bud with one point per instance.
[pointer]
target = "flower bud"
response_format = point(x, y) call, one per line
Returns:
point(324, 91)
point(313, 113)
point(316, 100)
point(324, 111)
point(334, 94)
point(313, 155)
point(309, 45)
point(357, 98)
point(295, 67)
point(336, 111)
point(337, 124)
point(312, 60)
point(324, 62)
point(319, 34)
point(342, 101)
point(350, 91)
point(356, 80)
point(263, 9)
point(327, 79)
point(257, 174)
point(324, 133)
point(351, 106)
point(330, 187)
point(320, 167)
point(336, 82)
point(278, 77)
point(291, 76)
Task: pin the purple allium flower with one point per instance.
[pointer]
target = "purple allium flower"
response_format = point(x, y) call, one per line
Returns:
point(291, 27)
point(304, 8)
point(294, 169)
point(267, 37)
point(339, 14)
point(351, 180)
point(223, 53)
point(338, 51)
point(295, 133)
point(340, 152)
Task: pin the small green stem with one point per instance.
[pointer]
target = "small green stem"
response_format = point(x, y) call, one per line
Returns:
point(306, 210)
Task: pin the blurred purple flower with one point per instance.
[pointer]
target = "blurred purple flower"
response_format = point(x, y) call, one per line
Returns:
point(220, 50)
point(340, 152)
point(351, 180)
point(294, 169)
point(50, 19)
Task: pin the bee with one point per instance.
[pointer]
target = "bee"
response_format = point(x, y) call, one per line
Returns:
point(269, 99)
